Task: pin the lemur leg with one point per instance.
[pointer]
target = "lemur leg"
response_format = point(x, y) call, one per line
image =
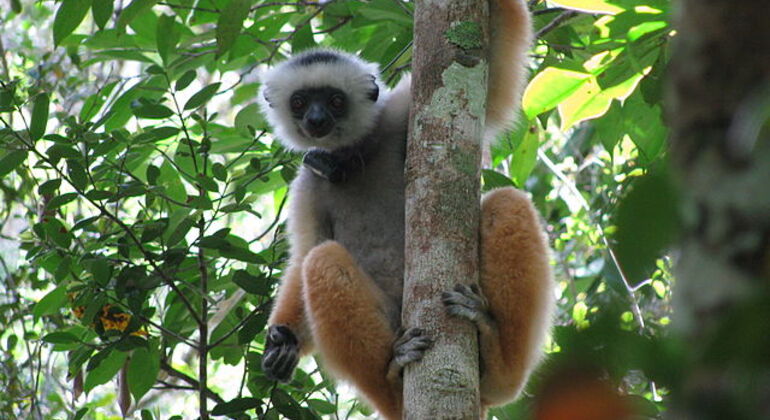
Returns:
point(513, 307)
point(347, 315)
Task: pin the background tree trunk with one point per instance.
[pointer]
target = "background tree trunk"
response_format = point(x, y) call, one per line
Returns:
point(442, 204)
point(719, 103)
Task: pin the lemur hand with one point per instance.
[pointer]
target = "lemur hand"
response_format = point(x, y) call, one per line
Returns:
point(281, 353)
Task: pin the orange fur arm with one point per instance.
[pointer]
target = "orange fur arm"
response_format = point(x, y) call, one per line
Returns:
point(516, 280)
point(304, 233)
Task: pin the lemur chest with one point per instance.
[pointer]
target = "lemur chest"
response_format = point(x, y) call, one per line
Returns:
point(366, 215)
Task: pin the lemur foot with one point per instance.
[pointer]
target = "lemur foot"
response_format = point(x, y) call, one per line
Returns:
point(408, 348)
point(467, 302)
point(281, 353)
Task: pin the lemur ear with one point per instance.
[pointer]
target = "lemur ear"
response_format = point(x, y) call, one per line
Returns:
point(267, 98)
point(374, 93)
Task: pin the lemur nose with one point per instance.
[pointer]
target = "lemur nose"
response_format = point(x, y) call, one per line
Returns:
point(316, 121)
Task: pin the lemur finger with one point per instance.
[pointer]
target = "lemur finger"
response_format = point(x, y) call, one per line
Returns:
point(285, 364)
point(411, 346)
point(465, 302)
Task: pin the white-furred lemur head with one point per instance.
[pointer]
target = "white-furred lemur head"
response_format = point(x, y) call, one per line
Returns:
point(322, 98)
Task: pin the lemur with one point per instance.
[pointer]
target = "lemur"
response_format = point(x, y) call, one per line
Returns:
point(341, 291)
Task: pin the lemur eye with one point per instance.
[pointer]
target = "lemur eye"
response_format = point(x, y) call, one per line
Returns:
point(337, 102)
point(297, 102)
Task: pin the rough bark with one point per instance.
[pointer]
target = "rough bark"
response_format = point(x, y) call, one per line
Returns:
point(442, 204)
point(718, 104)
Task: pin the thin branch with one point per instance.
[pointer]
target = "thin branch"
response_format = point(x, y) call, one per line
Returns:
point(555, 23)
point(240, 324)
point(193, 383)
point(635, 309)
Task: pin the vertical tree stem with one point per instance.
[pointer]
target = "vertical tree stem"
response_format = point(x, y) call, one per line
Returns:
point(203, 331)
point(442, 202)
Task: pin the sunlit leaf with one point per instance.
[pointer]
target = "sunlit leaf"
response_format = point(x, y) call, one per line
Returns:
point(549, 88)
point(525, 156)
point(590, 6)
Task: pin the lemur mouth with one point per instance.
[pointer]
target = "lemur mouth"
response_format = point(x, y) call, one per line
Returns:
point(319, 132)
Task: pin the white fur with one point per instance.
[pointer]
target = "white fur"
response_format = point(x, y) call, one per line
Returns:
point(351, 75)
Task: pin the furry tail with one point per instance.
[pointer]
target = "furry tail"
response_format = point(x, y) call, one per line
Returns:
point(510, 38)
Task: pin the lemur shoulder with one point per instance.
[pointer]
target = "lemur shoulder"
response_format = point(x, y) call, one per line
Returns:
point(342, 288)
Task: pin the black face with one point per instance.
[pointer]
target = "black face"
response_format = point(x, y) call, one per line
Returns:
point(318, 109)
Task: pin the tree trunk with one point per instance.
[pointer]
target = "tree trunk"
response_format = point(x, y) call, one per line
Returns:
point(442, 202)
point(719, 104)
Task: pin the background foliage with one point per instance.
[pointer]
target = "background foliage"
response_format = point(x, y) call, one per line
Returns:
point(142, 197)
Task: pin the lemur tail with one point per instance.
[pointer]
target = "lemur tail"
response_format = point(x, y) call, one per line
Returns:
point(510, 38)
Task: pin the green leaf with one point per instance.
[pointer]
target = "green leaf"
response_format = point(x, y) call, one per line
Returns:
point(591, 101)
point(68, 18)
point(647, 223)
point(286, 405)
point(60, 337)
point(105, 370)
point(202, 96)
point(77, 174)
point(152, 173)
point(589, 6)
point(494, 179)
point(250, 283)
point(303, 39)
point(180, 231)
point(251, 328)
point(167, 36)
point(322, 406)
point(11, 161)
point(101, 10)
point(143, 369)
point(100, 269)
point(80, 413)
point(133, 10)
point(61, 200)
point(16, 6)
point(525, 156)
point(219, 171)
point(50, 303)
point(94, 103)
point(152, 111)
point(235, 406)
point(230, 23)
point(549, 88)
point(644, 124)
point(39, 117)
point(185, 80)
point(249, 119)
point(207, 183)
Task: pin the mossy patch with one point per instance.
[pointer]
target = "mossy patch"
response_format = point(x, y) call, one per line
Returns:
point(466, 35)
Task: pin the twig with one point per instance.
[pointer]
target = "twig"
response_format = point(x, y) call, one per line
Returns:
point(556, 22)
point(635, 309)
point(193, 383)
